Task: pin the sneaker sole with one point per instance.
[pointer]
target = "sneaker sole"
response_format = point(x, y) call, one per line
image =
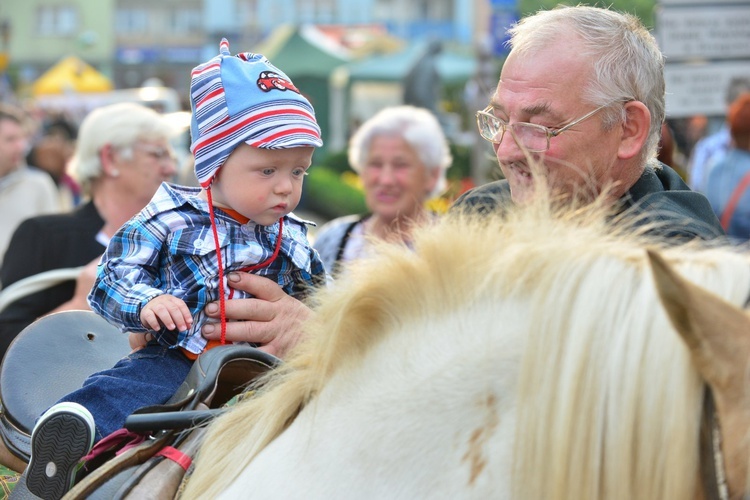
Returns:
point(56, 450)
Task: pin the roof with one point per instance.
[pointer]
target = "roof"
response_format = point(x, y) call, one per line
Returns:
point(452, 66)
point(71, 75)
point(303, 52)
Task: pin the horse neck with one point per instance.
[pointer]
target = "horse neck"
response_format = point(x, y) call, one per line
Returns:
point(452, 376)
point(610, 401)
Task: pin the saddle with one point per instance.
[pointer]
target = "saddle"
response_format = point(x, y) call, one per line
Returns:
point(55, 354)
point(48, 359)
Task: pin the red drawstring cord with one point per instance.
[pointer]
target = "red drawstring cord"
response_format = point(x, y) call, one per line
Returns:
point(276, 249)
point(222, 303)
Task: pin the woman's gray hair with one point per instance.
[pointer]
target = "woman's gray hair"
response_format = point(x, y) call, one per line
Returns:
point(417, 126)
point(119, 125)
point(626, 61)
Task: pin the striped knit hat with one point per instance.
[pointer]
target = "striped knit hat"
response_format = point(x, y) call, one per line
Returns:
point(244, 98)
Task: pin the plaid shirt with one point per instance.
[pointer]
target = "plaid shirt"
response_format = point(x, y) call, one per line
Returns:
point(169, 248)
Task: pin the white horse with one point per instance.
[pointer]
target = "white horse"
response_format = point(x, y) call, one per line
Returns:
point(524, 357)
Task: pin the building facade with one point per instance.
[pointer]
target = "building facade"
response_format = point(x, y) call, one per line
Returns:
point(132, 41)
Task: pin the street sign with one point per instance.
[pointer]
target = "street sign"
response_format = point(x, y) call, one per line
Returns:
point(713, 3)
point(500, 21)
point(713, 32)
point(700, 89)
point(706, 44)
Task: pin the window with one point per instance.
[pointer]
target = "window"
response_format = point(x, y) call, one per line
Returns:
point(131, 21)
point(185, 21)
point(247, 12)
point(316, 11)
point(58, 20)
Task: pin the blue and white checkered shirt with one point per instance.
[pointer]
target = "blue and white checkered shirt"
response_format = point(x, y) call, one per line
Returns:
point(169, 248)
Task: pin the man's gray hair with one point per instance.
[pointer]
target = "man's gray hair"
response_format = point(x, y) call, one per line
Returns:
point(626, 61)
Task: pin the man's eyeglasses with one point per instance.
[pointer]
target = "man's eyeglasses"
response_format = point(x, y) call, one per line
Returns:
point(530, 136)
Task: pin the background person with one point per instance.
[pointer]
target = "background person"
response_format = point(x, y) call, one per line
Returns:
point(24, 192)
point(401, 156)
point(122, 156)
point(727, 187)
point(579, 109)
point(51, 152)
point(712, 148)
point(553, 52)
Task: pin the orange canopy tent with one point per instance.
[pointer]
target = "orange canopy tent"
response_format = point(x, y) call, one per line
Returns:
point(71, 75)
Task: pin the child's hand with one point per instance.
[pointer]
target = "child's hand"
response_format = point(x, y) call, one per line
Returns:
point(168, 312)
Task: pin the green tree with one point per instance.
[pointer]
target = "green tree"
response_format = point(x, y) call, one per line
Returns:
point(644, 9)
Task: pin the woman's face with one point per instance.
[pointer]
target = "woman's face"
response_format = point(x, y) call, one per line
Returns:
point(395, 180)
point(150, 163)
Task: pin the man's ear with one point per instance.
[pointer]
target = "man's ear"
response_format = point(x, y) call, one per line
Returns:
point(635, 130)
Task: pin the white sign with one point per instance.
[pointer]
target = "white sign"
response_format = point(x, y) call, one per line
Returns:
point(700, 89)
point(716, 32)
point(698, 2)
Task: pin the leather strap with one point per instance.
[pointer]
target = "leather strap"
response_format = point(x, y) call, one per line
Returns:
point(176, 456)
point(711, 458)
point(734, 199)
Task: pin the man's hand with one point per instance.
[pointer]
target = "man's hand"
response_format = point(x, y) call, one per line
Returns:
point(138, 341)
point(166, 311)
point(272, 318)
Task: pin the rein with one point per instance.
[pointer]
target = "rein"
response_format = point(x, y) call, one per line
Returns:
point(712, 468)
point(711, 458)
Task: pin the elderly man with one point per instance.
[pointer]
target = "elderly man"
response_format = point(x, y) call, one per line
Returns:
point(579, 107)
point(24, 192)
point(581, 98)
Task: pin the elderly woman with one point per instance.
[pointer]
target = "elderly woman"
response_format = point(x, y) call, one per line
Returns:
point(401, 156)
point(122, 156)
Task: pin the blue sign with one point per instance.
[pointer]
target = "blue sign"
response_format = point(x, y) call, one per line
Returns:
point(500, 21)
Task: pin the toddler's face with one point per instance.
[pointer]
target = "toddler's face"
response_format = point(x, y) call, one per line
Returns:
point(262, 184)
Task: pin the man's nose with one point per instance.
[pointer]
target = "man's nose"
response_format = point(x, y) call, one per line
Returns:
point(508, 150)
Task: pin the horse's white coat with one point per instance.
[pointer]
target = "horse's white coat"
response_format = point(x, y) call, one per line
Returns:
point(429, 371)
point(528, 359)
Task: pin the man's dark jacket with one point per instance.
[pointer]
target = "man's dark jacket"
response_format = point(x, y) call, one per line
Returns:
point(659, 197)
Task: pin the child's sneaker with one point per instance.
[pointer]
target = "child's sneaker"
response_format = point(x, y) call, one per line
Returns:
point(61, 437)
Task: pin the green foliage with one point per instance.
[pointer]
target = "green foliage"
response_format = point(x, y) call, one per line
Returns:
point(324, 192)
point(337, 161)
point(643, 9)
point(461, 166)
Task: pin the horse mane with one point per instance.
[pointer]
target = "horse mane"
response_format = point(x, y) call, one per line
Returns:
point(608, 401)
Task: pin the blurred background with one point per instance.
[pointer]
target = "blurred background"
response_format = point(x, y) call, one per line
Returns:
point(350, 58)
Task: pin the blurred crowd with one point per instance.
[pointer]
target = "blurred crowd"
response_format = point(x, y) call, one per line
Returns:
point(67, 185)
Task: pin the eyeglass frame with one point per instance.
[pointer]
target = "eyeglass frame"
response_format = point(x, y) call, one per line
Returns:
point(158, 153)
point(549, 132)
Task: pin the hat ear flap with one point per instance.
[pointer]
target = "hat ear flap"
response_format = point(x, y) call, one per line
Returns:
point(207, 97)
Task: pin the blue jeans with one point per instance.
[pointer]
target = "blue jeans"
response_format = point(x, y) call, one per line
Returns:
point(149, 376)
